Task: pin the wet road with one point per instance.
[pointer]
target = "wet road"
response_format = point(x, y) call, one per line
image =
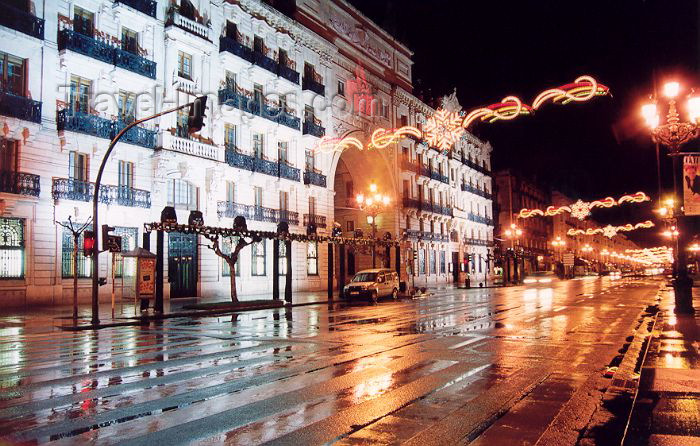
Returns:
point(490, 365)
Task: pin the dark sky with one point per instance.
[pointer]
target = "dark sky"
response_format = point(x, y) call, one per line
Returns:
point(490, 49)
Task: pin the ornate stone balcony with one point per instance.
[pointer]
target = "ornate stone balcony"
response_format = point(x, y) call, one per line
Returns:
point(69, 189)
point(102, 51)
point(308, 83)
point(256, 213)
point(169, 141)
point(20, 107)
point(318, 220)
point(315, 178)
point(174, 18)
point(100, 127)
point(147, 7)
point(313, 128)
point(19, 183)
point(22, 21)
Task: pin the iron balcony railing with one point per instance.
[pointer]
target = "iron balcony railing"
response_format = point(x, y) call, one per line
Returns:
point(97, 49)
point(476, 242)
point(20, 107)
point(265, 62)
point(311, 128)
point(22, 21)
point(147, 7)
point(318, 220)
point(435, 175)
point(311, 84)
point(410, 166)
point(19, 183)
point(480, 219)
point(288, 73)
point(425, 235)
point(248, 104)
point(435, 208)
point(235, 47)
point(100, 127)
point(474, 190)
point(230, 209)
point(254, 164)
point(315, 178)
point(476, 166)
point(70, 189)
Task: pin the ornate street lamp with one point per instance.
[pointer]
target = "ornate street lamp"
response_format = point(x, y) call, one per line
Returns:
point(673, 134)
point(513, 234)
point(373, 204)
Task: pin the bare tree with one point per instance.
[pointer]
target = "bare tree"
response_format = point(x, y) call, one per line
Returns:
point(75, 230)
point(231, 258)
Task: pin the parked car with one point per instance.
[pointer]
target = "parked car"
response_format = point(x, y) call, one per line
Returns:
point(540, 277)
point(373, 284)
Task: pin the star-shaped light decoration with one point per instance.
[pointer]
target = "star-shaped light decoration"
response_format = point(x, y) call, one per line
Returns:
point(580, 210)
point(443, 129)
point(610, 231)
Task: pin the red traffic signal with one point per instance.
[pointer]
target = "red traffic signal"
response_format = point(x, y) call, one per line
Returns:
point(88, 243)
point(195, 120)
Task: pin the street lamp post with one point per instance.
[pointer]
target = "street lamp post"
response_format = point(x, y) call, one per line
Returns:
point(373, 204)
point(673, 134)
point(513, 234)
point(558, 244)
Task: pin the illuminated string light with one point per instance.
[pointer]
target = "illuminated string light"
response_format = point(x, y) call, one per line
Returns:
point(582, 209)
point(610, 231)
point(329, 144)
point(382, 138)
point(509, 108)
point(443, 129)
point(583, 89)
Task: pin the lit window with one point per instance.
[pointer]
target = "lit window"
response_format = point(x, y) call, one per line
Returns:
point(230, 137)
point(11, 248)
point(433, 269)
point(312, 258)
point(12, 76)
point(258, 263)
point(84, 263)
point(129, 237)
point(421, 260)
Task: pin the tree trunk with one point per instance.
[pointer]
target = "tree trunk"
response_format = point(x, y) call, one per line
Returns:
point(76, 240)
point(234, 293)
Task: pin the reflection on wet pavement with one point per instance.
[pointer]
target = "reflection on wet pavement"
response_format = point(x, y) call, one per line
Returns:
point(317, 374)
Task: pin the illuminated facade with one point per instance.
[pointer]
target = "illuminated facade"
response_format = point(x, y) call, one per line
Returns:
point(80, 70)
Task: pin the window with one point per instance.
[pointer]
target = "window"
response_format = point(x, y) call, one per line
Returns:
point(83, 21)
point(184, 65)
point(421, 260)
point(8, 155)
point(230, 137)
point(282, 258)
point(283, 104)
point(312, 258)
point(406, 189)
point(77, 166)
point(283, 58)
point(182, 194)
point(258, 145)
point(351, 225)
point(127, 107)
point(183, 130)
point(129, 237)
point(231, 81)
point(258, 193)
point(13, 75)
point(442, 262)
point(404, 120)
point(480, 260)
point(84, 263)
point(283, 152)
point(309, 114)
point(258, 263)
point(230, 192)
point(126, 179)
point(130, 41)
point(310, 161)
point(227, 244)
point(341, 88)
point(258, 44)
point(312, 205)
point(11, 248)
point(433, 270)
point(231, 30)
point(284, 205)
point(80, 90)
point(385, 110)
point(258, 93)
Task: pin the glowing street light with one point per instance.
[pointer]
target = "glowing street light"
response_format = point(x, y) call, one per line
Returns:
point(673, 133)
point(374, 204)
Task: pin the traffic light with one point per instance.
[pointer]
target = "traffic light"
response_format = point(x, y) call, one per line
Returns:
point(88, 243)
point(195, 120)
point(106, 229)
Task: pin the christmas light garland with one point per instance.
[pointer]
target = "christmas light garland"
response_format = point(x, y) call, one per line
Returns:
point(381, 138)
point(583, 89)
point(610, 231)
point(271, 235)
point(443, 129)
point(582, 209)
point(509, 108)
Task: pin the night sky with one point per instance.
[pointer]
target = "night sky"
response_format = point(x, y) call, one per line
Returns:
point(490, 49)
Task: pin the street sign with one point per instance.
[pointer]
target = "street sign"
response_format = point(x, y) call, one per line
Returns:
point(568, 259)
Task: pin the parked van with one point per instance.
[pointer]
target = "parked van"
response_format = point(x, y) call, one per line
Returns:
point(373, 284)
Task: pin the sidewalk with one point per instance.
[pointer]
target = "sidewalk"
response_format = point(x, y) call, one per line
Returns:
point(667, 408)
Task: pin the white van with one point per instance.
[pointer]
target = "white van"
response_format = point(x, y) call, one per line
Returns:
point(373, 284)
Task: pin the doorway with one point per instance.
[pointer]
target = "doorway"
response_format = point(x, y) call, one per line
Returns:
point(182, 264)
